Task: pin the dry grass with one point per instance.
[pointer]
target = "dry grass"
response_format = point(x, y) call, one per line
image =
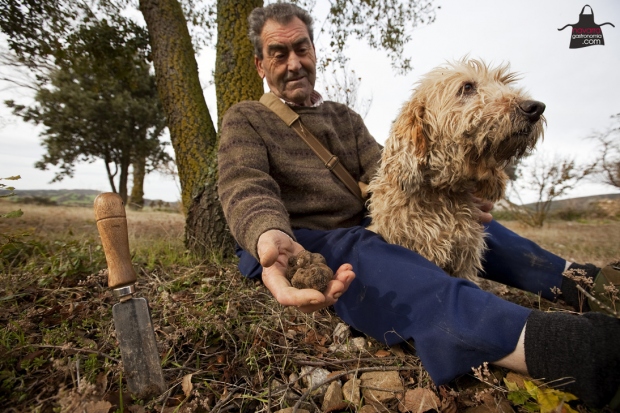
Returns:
point(56, 222)
point(597, 242)
point(239, 349)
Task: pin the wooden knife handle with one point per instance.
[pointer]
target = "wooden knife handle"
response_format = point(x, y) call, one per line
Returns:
point(112, 226)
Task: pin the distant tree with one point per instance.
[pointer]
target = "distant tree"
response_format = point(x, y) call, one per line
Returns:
point(548, 180)
point(136, 199)
point(100, 102)
point(344, 87)
point(608, 159)
point(35, 29)
point(512, 168)
point(384, 25)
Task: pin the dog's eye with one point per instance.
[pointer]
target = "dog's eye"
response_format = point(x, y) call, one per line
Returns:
point(468, 88)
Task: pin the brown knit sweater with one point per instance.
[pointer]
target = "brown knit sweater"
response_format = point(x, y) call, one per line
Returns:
point(269, 178)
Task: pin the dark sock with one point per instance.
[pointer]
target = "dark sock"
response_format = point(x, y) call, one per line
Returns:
point(579, 354)
point(570, 294)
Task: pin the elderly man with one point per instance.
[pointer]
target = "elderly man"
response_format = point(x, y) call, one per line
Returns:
point(279, 199)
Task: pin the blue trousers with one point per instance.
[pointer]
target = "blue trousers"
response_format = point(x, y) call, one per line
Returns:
point(398, 295)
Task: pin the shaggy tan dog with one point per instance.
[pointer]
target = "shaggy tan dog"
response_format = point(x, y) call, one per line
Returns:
point(453, 139)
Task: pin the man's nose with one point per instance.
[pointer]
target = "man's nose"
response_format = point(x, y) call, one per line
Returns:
point(294, 64)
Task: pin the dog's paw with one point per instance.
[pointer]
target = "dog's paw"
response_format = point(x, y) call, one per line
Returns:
point(309, 270)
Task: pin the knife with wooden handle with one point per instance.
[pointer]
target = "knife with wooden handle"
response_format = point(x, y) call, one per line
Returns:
point(132, 318)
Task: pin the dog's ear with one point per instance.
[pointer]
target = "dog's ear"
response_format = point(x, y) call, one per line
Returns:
point(410, 126)
point(405, 152)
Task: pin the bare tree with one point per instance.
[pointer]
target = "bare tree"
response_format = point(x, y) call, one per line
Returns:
point(344, 87)
point(548, 179)
point(608, 160)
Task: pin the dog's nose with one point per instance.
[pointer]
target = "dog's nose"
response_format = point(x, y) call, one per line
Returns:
point(532, 109)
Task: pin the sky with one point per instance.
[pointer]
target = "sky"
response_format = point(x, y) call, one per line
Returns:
point(580, 87)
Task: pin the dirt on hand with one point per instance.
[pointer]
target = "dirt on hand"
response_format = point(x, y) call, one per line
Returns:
point(309, 270)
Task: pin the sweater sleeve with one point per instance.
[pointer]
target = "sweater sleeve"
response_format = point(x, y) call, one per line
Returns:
point(249, 195)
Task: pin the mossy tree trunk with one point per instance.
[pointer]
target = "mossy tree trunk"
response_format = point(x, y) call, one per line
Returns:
point(191, 128)
point(236, 78)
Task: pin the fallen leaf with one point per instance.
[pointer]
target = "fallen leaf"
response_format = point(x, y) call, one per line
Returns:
point(382, 353)
point(550, 399)
point(511, 386)
point(321, 349)
point(186, 384)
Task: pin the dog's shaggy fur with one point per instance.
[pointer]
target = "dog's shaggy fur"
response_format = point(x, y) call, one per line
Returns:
point(464, 123)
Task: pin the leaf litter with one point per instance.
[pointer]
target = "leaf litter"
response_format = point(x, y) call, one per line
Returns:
point(225, 345)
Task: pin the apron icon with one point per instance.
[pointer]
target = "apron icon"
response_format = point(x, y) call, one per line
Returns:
point(585, 32)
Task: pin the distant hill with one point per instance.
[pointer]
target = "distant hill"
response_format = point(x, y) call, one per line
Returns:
point(72, 197)
point(579, 203)
point(576, 204)
point(85, 197)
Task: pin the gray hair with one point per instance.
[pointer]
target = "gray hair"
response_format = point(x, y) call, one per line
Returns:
point(283, 13)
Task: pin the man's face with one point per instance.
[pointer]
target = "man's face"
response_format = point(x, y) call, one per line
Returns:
point(289, 62)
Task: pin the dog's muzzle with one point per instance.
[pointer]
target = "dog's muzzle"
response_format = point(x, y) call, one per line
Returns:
point(532, 110)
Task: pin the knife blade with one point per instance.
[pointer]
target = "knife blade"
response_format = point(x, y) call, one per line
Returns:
point(132, 317)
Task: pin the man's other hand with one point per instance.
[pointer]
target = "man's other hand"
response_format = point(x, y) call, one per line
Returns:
point(485, 208)
point(274, 249)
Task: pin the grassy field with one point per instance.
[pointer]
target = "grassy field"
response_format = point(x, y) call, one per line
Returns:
point(225, 344)
point(597, 241)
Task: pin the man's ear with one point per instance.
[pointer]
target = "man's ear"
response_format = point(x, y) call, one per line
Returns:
point(259, 67)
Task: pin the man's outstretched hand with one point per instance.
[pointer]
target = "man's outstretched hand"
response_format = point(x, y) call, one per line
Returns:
point(274, 249)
